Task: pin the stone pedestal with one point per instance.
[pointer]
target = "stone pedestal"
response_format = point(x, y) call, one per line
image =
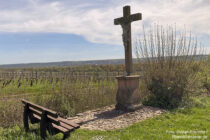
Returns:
point(128, 94)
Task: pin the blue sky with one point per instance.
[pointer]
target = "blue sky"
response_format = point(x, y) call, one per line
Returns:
point(66, 30)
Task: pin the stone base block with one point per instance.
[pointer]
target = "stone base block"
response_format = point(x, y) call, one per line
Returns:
point(128, 95)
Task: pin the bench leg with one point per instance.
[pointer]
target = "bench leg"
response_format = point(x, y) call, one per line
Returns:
point(66, 136)
point(43, 125)
point(25, 117)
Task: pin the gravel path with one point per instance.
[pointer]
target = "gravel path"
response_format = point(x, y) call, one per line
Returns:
point(107, 118)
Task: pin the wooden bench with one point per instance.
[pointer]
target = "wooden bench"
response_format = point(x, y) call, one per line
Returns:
point(48, 119)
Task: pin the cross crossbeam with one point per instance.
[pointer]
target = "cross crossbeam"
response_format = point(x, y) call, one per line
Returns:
point(128, 19)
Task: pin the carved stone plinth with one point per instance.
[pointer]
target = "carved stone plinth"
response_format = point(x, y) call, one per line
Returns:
point(128, 94)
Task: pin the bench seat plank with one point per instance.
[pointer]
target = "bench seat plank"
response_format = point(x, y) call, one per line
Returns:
point(60, 128)
point(54, 120)
point(37, 117)
point(68, 122)
point(66, 126)
point(35, 111)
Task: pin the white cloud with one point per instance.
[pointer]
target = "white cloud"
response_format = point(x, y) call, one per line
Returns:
point(96, 24)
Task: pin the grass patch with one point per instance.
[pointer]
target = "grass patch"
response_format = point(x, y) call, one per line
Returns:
point(192, 120)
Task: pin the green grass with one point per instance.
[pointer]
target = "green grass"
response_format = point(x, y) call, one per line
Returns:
point(44, 86)
point(195, 118)
point(66, 97)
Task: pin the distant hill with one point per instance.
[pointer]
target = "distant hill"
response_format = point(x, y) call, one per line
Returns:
point(64, 63)
point(74, 63)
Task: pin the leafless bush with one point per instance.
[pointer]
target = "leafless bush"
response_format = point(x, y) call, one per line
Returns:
point(168, 62)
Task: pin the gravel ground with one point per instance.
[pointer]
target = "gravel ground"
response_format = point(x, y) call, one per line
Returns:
point(107, 118)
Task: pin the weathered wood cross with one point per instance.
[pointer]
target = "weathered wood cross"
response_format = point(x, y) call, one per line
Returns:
point(125, 22)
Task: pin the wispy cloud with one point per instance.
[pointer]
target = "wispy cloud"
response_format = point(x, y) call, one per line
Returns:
point(94, 20)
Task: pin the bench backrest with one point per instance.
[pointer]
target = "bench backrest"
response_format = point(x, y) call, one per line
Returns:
point(39, 110)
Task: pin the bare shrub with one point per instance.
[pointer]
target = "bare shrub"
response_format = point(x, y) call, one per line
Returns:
point(168, 63)
point(205, 75)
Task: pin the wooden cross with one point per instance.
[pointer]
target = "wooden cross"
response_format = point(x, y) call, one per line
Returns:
point(125, 22)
